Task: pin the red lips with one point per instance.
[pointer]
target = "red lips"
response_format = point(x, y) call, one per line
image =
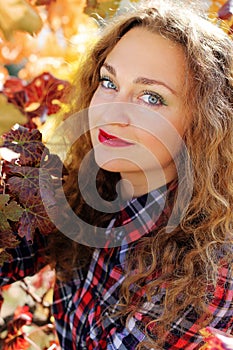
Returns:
point(111, 140)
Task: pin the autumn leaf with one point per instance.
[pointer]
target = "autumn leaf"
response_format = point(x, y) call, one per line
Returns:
point(33, 187)
point(43, 96)
point(18, 15)
point(25, 182)
point(9, 115)
point(29, 184)
point(103, 9)
point(53, 164)
point(31, 181)
point(35, 218)
point(7, 240)
point(8, 211)
point(47, 91)
point(26, 142)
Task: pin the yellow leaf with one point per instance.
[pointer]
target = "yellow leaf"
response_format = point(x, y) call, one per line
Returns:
point(9, 115)
point(102, 8)
point(18, 15)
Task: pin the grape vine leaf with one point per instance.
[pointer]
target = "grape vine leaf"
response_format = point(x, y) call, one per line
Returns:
point(8, 211)
point(26, 142)
point(27, 182)
point(7, 240)
point(36, 217)
point(30, 181)
point(54, 165)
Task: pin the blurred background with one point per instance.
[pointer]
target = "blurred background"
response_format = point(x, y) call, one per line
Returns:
point(41, 44)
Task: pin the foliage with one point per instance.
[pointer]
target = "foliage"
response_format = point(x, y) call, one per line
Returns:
point(28, 180)
point(21, 16)
point(43, 96)
point(31, 324)
point(26, 186)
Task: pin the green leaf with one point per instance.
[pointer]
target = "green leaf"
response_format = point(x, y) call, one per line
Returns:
point(8, 211)
point(4, 224)
point(13, 211)
point(4, 198)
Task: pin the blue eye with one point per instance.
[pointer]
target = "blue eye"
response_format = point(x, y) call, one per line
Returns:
point(107, 83)
point(152, 98)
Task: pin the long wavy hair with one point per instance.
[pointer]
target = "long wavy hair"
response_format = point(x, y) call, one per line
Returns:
point(187, 258)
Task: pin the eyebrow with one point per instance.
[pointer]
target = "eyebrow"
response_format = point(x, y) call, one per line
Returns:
point(140, 80)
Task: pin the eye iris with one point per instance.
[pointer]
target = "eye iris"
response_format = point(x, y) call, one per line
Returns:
point(111, 85)
point(152, 99)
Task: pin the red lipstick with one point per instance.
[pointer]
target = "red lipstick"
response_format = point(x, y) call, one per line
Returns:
point(111, 140)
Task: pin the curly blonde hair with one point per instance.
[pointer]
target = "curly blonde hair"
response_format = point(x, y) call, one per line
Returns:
point(188, 257)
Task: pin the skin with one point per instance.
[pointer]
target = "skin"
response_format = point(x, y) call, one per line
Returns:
point(140, 100)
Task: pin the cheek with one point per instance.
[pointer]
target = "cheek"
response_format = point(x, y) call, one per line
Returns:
point(96, 98)
point(161, 142)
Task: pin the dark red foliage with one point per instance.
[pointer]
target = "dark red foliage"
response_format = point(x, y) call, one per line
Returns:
point(29, 183)
point(26, 142)
point(39, 98)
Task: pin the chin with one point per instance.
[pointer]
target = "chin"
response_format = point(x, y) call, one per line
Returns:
point(115, 165)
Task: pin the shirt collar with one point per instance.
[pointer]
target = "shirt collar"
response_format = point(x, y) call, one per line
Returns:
point(141, 215)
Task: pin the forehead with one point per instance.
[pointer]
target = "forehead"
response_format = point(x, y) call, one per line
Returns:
point(141, 52)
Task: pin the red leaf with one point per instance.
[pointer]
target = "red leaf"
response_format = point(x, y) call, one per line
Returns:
point(26, 142)
point(42, 96)
point(13, 89)
point(36, 217)
point(54, 165)
point(28, 182)
point(46, 89)
point(11, 86)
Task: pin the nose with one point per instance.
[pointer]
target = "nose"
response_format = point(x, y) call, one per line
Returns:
point(116, 112)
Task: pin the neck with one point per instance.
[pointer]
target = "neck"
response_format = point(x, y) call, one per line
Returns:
point(137, 184)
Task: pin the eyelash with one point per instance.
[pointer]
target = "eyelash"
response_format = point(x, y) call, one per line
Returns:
point(156, 95)
point(105, 78)
point(146, 92)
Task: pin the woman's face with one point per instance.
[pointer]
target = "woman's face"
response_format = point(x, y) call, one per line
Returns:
point(137, 116)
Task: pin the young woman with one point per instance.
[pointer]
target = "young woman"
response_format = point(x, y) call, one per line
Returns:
point(152, 264)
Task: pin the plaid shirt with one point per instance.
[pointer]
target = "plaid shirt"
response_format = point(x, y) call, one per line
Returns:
point(84, 307)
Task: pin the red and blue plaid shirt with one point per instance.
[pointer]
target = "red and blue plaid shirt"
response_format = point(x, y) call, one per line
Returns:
point(84, 307)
